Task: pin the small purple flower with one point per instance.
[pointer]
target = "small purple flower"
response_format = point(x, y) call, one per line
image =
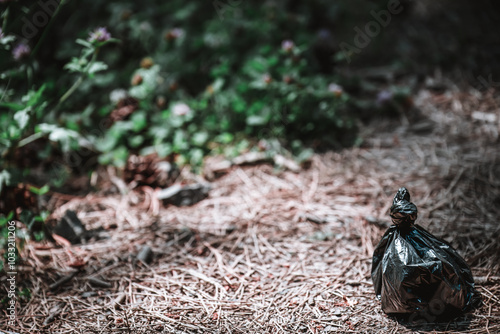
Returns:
point(384, 96)
point(267, 78)
point(287, 45)
point(1, 32)
point(174, 34)
point(100, 34)
point(21, 51)
point(181, 109)
point(337, 90)
point(324, 34)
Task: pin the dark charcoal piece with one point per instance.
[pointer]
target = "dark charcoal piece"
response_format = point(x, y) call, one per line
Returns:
point(145, 254)
point(63, 280)
point(184, 195)
point(417, 274)
point(70, 228)
point(99, 282)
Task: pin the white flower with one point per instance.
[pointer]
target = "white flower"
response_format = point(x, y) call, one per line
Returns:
point(181, 109)
point(117, 94)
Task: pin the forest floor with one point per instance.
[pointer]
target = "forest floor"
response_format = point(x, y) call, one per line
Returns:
point(275, 251)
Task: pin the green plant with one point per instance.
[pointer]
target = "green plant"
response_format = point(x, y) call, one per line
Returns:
point(187, 80)
point(87, 64)
point(27, 121)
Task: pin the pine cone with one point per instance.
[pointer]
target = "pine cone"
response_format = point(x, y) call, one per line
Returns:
point(150, 170)
point(124, 108)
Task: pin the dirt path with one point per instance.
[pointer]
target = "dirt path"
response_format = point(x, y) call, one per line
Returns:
point(279, 252)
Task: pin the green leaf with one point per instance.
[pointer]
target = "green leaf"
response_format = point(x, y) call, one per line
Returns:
point(224, 138)
point(105, 158)
point(120, 156)
point(256, 107)
point(255, 120)
point(65, 137)
point(86, 53)
point(239, 105)
point(196, 157)
point(6, 40)
point(180, 141)
point(199, 138)
point(84, 43)
point(25, 293)
point(39, 191)
point(12, 106)
point(5, 178)
point(217, 85)
point(220, 70)
point(97, 67)
point(163, 149)
point(176, 121)
point(158, 133)
point(272, 61)
point(147, 150)
point(136, 141)
point(108, 143)
point(304, 155)
point(109, 41)
point(4, 220)
point(258, 64)
point(35, 97)
point(185, 11)
point(22, 117)
point(139, 121)
point(74, 65)
point(258, 84)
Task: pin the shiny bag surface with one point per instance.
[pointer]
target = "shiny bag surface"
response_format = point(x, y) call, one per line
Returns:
point(415, 272)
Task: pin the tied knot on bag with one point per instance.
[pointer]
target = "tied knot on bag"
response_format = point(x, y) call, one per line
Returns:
point(403, 212)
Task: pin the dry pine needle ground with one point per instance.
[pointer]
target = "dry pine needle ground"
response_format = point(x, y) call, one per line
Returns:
point(281, 252)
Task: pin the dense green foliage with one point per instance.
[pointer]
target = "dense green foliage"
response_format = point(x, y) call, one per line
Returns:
point(200, 76)
point(176, 78)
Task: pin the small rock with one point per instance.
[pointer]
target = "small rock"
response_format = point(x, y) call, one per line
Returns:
point(315, 219)
point(145, 254)
point(63, 280)
point(337, 313)
point(70, 228)
point(231, 228)
point(353, 283)
point(99, 282)
point(88, 294)
point(422, 127)
point(215, 167)
point(253, 158)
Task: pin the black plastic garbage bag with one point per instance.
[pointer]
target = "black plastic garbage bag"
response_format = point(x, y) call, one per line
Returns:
point(416, 273)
